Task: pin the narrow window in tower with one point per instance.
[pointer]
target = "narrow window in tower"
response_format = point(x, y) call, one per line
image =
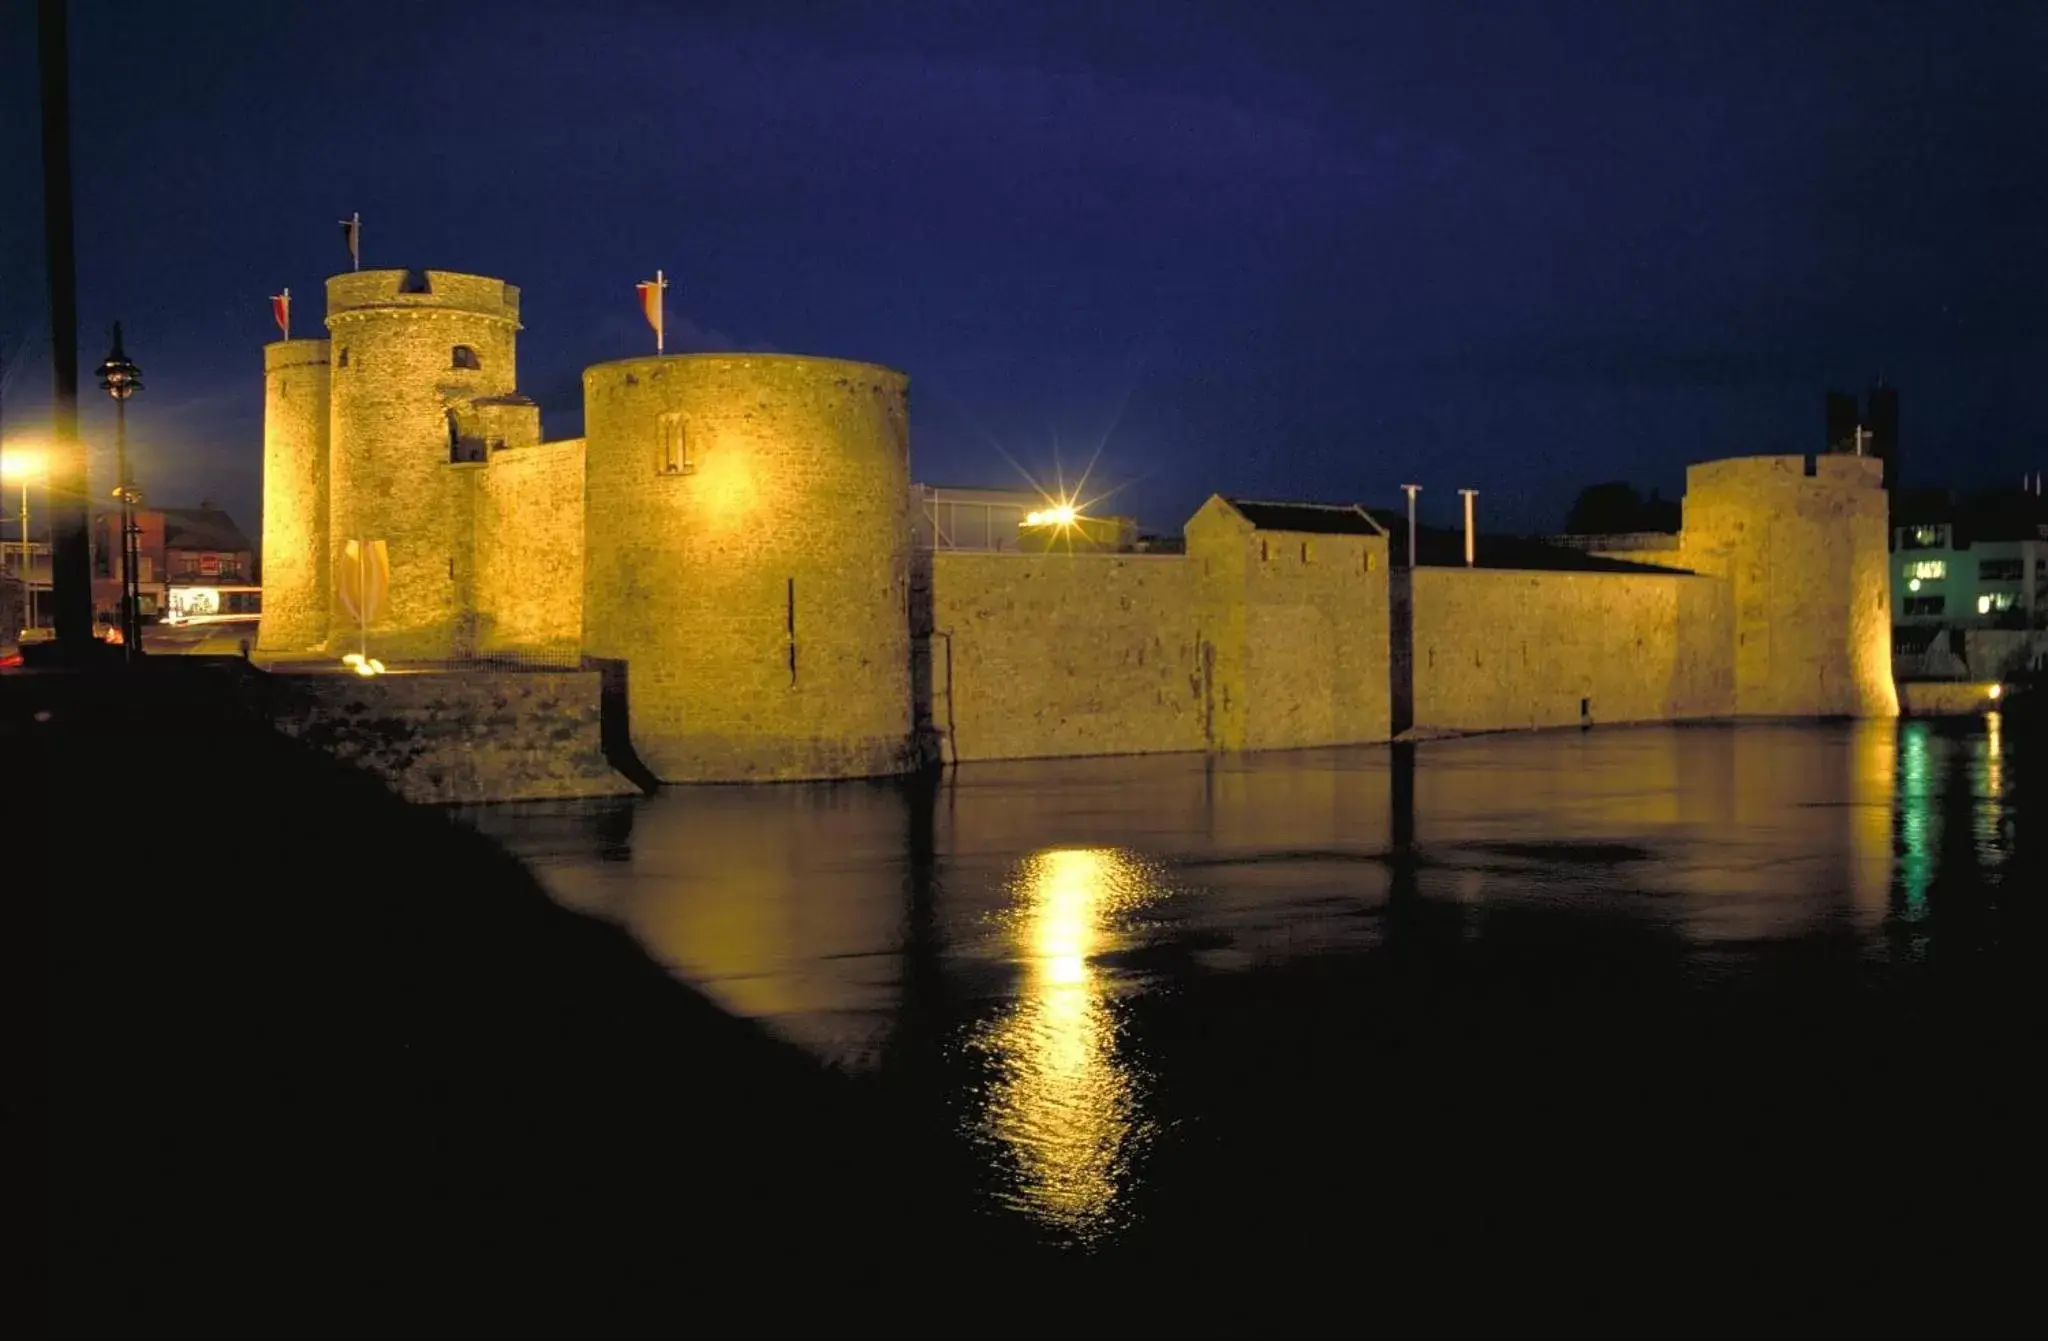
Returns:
point(465, 357)
point(1304, 551)
point(342, 360)
point(791, 615)
point(673, 457)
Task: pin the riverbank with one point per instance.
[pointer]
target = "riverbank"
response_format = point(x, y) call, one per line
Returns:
point(295, 1049)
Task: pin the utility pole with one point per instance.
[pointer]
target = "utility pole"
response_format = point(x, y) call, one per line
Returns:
point(1411, 490)
point(1470, 551)
point(70, 542)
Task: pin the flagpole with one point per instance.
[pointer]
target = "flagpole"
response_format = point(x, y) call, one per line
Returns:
point(660, 309)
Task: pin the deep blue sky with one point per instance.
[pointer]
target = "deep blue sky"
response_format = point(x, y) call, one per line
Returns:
point(1275, 249)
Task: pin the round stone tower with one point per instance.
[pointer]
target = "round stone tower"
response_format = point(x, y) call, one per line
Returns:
point(1802, 543)
point(412, 349)
point(747, 555)
point(295, 456)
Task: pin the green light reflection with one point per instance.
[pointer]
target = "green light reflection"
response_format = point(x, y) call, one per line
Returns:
point(1919, 815)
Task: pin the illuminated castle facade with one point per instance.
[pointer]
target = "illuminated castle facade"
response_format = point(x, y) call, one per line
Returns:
point(733, 540)
point(733, 529)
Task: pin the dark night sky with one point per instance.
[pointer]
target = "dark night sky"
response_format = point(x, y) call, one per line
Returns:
point(1275, 249)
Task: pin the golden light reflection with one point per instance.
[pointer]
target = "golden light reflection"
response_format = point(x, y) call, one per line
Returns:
point(1064, 1103)
point(1994, 755)
point(1873, 783)
point(1990, 820)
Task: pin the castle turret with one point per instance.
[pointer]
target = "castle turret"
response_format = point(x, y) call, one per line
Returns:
point(413, 354)
point(1802, 544)
point(747, 555)
point(296, 548)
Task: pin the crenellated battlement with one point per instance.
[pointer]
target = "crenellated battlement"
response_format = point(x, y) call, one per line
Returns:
point(1836, 471)
point(281, 354)
point(360, 292)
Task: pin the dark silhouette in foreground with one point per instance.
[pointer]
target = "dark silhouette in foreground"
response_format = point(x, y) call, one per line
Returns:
point(292, 1044)
point(295, 1051)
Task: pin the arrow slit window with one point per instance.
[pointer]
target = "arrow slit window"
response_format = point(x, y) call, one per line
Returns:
point(673, 446)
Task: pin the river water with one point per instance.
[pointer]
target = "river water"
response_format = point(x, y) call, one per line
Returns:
point(1139, 999)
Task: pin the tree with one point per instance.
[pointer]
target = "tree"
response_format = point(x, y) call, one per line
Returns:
point(1615, 508)
point(1604, 509)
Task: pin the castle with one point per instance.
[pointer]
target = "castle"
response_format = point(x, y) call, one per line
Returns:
point(732, 542)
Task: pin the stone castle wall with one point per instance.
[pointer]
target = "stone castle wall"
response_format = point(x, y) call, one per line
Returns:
point(296, 582)
point(1499, 649)
point(732, 540)
point(747, 556)
point(1039, 655)
point(487, 735)
point(1251, 640)
point(529, 537)
point(1299, 626)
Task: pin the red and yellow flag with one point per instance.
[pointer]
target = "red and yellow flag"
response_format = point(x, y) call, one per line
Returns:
point(281, 311)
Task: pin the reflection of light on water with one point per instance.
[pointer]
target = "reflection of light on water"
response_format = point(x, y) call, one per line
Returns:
point(1063, 1103)
point(1919, 821)
point(1994, 755)
point(1873, 781)
point(1989, 823)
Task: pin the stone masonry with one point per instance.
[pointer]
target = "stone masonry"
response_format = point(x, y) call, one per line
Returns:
point(731, 544)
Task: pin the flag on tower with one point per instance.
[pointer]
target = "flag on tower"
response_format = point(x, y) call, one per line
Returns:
point(352, 234)
point(281, 311)
point(651, 291)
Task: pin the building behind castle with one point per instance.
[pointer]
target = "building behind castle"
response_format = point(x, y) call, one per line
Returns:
point(736, 540)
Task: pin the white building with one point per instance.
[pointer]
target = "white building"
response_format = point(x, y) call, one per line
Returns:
point(1969, 601)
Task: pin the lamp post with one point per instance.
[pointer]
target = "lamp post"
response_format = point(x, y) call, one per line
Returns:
point(1411, 490)
point(120, 378)
point(24, 466)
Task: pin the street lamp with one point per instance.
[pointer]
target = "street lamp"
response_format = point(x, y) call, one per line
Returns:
point(23, 465)
point(120, 378)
